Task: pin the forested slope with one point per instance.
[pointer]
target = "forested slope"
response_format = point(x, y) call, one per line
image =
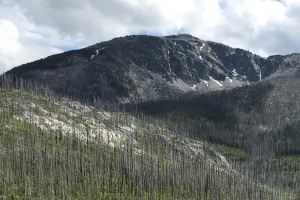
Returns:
point(256, 126)
point(54, 148)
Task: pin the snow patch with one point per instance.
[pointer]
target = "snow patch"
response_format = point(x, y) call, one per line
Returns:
point(201, 57)
point(206, 82)
point(234, 73)
point(194, 87)
point(180, 53)
point(230, 52)
point(217, 82)
point(97, 53)
point(229, 79)
point(203, 45)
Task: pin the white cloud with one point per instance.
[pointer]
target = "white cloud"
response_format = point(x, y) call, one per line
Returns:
point(9, 37)
point(9, 45)
point(31, 29)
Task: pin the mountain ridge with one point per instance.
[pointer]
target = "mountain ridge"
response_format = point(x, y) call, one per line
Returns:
point(140, 67)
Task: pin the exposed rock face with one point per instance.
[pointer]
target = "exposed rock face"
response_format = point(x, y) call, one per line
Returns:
point(137, 68)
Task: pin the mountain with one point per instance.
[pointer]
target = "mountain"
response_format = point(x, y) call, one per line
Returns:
point(181, 134)
point(139, 68)
point(61, 149)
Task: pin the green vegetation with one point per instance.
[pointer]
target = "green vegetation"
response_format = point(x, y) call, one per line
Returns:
point(112, 156)
point(231, 153)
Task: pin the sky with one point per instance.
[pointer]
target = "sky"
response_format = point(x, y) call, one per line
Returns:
point(33, 29)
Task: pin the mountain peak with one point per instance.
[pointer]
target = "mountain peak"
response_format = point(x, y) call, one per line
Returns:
point(142, 67)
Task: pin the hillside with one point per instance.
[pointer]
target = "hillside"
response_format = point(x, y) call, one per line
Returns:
point(61, 149)
point(261, 119)
point(140, 68)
